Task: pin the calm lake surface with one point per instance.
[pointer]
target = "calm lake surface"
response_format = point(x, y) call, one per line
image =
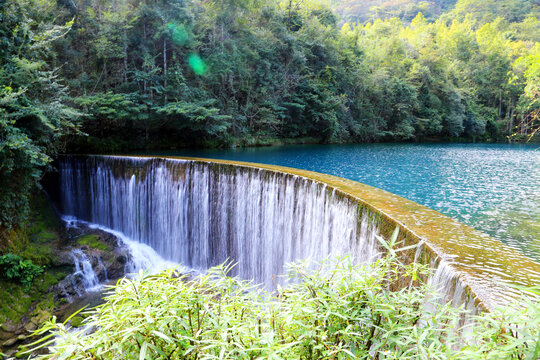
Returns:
point(491, 187)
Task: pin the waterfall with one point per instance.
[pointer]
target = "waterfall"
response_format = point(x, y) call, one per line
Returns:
point(202, 214)
point(85, 272)
point(142, 257)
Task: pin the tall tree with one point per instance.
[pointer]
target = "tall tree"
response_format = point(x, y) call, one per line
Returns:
point(33, 111)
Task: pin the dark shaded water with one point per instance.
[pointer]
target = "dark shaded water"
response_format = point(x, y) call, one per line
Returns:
point(492, 187)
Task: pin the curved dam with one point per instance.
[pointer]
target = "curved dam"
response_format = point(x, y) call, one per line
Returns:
point(202, 212)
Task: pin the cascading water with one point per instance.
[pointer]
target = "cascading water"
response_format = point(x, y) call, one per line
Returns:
point(141, 256)
point(85, 272)
point(201, 215)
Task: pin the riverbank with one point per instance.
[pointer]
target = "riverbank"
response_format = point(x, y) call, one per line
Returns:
point(88, 145)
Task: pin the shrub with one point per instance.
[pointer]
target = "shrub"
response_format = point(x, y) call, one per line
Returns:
point(15, 268)
point(337, 311)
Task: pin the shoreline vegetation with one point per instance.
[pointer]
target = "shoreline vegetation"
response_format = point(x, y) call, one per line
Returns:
point(37, 276)
point(339, 310)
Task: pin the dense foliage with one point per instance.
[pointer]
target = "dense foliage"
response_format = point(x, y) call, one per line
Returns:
point(360, 11)
point(15, 268)
point(338, 311)
point(173, 73)
point(33, 110)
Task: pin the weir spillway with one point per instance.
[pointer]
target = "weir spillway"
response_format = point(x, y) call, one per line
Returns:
point(203, 212)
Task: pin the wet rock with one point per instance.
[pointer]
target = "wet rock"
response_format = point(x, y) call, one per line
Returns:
point(42, 316)
point(106, 254)
point(10, 331)
point(108, 257)
point(10, 342)
point(31, 326)
point(62, 259)
point(9, 328)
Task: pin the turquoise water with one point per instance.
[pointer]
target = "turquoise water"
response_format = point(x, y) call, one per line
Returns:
point(493, 188)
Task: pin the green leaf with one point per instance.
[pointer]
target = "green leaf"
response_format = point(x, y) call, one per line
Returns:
point(142, 353)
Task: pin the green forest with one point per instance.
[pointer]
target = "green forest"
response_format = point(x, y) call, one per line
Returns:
point(86, 76)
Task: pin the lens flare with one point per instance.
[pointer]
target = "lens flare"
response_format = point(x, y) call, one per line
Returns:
point(179, 34)
point(197, 64)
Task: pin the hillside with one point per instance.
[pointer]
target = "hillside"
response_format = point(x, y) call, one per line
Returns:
point(361, 11)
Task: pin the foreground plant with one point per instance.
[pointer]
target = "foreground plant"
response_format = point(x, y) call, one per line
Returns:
point(337, 311)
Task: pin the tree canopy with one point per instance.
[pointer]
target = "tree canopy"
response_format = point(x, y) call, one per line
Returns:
point(112, 76)
point(34, 112)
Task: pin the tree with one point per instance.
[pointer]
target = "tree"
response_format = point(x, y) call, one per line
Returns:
point(33, 110)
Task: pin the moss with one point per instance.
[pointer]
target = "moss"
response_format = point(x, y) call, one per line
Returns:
point(15, 301)
point(35, 241)
point(37, 237)
point(40, 226)
point(47, 280)
point(43, 213)
point(77, 321)
point(13, 240)
point(43, 220)
point(37, 230)
point(39, 254)
point(44, 308)
point(92, 241)
point(45, 236)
